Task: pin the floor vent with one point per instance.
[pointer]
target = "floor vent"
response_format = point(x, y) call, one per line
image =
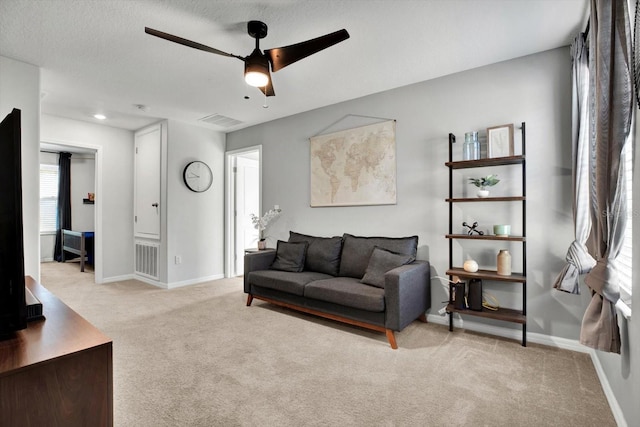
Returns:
point(220, 120)
point(147, 259)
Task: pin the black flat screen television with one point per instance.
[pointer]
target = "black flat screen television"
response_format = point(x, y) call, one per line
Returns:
point(13, 310)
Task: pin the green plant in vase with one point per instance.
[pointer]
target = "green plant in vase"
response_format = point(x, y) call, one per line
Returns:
point(483, 183)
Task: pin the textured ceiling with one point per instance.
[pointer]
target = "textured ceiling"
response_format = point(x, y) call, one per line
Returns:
point(95, 56)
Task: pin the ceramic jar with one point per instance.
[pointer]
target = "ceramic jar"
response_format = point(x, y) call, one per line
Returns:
point(504, 263)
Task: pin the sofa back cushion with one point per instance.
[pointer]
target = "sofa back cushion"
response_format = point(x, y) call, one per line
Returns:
point(323, 253)
point(356, 251)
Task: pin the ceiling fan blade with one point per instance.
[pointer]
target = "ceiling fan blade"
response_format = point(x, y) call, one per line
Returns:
point(280, 57)
point(188, 43)
point(268, 89)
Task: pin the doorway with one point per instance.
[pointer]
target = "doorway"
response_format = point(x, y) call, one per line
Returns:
point(243, 198)
point(91, 218)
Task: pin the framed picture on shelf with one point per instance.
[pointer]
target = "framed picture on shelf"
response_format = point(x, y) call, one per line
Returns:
point(500, 141)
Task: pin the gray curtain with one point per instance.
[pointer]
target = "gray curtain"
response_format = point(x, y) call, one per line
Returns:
point(579, 261)
point(64, 203)
point(611, 109)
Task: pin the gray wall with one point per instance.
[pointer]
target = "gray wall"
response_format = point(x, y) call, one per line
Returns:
point(534, 89)
point(20, 88)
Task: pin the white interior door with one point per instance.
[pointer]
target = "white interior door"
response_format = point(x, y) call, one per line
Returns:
point(247, 200)
point(147, 183)
point(243, 189)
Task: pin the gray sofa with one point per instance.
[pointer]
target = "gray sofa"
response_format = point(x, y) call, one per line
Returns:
point(371, 282)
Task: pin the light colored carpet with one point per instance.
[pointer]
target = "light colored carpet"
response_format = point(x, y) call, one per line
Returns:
point(197, 356)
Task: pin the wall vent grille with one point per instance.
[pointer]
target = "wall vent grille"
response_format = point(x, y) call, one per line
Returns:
point(220, 120)
point(147, 259)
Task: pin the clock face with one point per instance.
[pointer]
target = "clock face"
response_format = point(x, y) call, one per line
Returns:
point(197, 176)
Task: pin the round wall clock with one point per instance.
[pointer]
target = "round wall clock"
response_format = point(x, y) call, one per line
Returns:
point(197, 176)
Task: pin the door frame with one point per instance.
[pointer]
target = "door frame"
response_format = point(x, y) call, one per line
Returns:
point(98, 242)
point(230, 204)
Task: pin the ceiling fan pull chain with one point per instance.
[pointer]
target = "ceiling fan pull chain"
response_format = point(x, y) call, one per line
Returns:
point(265, 105)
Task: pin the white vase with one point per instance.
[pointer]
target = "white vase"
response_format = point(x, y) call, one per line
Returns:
point(470, 266)
point(483, 193)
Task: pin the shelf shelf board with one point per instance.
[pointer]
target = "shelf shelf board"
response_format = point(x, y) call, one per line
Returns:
point(487, 275)
point(487, 237)
point(486, 199)
point(505, 314)
point(498, 161)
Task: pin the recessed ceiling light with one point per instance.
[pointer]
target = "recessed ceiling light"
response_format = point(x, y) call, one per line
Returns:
point(100, 116)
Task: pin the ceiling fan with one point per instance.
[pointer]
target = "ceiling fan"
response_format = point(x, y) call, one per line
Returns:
point(256, 65)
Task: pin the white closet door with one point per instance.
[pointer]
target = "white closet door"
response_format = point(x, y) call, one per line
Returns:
point(147, 183)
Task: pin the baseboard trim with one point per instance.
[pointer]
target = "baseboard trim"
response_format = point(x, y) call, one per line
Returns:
point(174, 285)
point(195, 281)
point(548, 340)
point(618, 415)
point(117, 278)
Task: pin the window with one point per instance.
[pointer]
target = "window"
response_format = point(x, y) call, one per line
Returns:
point(48, 198)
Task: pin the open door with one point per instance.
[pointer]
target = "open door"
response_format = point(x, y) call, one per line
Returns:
point(243, 199)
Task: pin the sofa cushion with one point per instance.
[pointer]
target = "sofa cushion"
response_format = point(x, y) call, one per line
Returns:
point(380, 262)
point(356, 251)
point(348, 292)
point(290, 256)
point(323, 253)
point(284, 281)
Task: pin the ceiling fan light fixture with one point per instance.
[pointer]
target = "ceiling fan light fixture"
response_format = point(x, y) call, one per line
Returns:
point(256, 69)
point(256, 78)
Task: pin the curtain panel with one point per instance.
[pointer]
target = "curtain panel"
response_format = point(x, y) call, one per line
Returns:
point(579, 261)
point(64, 202)
point(611, 110)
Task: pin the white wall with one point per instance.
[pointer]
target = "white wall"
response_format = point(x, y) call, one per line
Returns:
point(195, 221)
point(115, 198)
point(20, 88)
point(83, 173)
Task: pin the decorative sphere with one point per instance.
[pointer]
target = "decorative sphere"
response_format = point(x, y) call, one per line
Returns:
point(470, 266)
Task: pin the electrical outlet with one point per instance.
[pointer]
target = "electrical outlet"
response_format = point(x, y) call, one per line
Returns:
point(178, 259)
point(442, 311)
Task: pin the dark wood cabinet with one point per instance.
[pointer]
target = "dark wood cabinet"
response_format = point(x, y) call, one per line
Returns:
point(58, 371)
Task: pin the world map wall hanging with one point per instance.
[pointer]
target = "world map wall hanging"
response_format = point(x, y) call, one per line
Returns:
point(355, 166)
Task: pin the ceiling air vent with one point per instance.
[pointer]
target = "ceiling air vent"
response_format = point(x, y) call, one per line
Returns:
point(220, 120)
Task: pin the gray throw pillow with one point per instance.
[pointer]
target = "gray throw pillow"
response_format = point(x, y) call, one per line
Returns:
point(380, 262)
point(323, 253)
point(290, 256)
point(356, 251)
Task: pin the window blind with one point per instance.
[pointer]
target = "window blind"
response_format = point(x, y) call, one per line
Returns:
point(48, 198)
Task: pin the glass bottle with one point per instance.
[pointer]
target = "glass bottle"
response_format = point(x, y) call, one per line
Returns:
point(467, 147)
point(471, 146)
point(476, 146)
point(504, 263)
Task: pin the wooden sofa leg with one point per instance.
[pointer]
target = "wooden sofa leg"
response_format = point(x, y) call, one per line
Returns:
point(392, 339)
point(249, 299)
point(423, 317)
